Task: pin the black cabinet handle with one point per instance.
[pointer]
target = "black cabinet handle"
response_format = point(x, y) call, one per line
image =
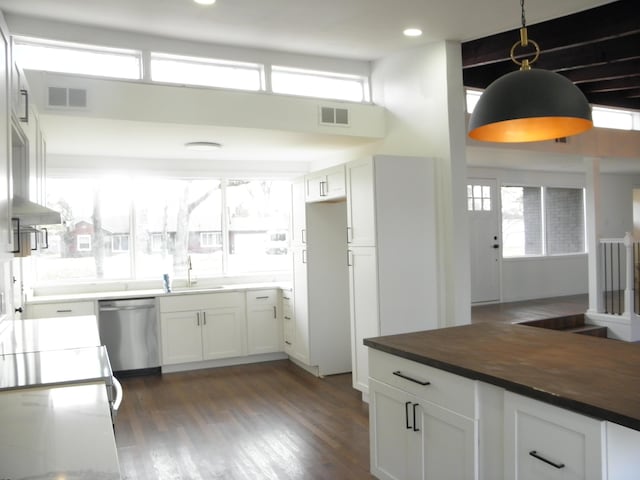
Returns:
point(16, 234)
point(398, 373)
point(495, 245)
point(18, 310)
point(262, 297)
point(25, 94)
point(415, 429)
point(287, 342)
point(275, 312)
point(406, 415)
point(287, 318)
point(535, 454)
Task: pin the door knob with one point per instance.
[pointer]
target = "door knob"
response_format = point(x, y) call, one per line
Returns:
point(18, 310)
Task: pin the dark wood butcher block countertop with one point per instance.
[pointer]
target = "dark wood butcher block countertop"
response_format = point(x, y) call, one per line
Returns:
point(593, 376)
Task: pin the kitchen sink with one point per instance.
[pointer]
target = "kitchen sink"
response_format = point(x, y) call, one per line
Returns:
point(196, 289)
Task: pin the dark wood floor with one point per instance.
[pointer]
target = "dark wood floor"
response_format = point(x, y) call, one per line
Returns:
point(261, 421)
point(513, 312)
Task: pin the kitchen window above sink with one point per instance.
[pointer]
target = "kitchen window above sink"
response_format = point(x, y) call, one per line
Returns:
point(128, 228)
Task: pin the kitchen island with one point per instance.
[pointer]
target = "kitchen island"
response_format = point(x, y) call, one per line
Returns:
point(512, 401)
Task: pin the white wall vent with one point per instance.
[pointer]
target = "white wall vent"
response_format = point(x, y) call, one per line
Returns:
point(334, 116)
point(62, 97)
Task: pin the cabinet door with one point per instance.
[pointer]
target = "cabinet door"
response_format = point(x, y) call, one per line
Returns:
point(363, 292)
point(360, 204)
point(181, 337)
point(6, 237)
point(300, 305)
point(335, 183)
point(223, 332)
point(391, 439)
point(448, 443)
point(544, 442)
point(298, 213)
point(314, 187)
point(288, 321)
point(264, 328)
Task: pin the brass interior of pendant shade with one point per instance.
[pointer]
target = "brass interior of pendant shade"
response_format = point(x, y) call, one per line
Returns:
point(533, 129)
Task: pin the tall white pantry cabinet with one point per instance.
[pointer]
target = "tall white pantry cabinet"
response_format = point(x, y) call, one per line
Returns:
point(320, 341)
point(392, 251)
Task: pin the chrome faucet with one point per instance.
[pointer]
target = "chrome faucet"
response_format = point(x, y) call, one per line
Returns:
point(189, 268)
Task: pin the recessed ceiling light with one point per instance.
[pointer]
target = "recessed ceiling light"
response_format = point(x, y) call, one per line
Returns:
point(412, 32)
point(203, 146)
point(205, 2)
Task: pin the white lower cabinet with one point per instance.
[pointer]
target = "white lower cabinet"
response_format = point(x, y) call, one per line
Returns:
point(415, 439)
point(264, 327)
point(60, 309)
point(415, 430)
point(544, 442)
point(202, 327)
point(288, 321)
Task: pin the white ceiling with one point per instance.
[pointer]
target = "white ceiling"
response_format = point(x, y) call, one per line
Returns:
point(357, 29)
point(362, 29)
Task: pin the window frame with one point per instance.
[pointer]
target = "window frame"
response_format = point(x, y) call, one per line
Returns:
point(543, 219)
point(84, 238)
point(231, 65)
point(119, 237)
point(362, 80)
point(23, 41)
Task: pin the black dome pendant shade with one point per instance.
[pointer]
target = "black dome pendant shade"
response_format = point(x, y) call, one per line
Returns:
point(529, 105)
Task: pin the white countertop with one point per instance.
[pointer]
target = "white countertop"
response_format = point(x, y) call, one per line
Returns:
point(57, 433)
point(43, 334)
point(112, 295)
point(54, 367)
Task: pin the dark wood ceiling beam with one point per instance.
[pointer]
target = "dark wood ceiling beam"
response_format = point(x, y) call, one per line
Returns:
point(605, 22)
point(604, 72)
point(615, 85)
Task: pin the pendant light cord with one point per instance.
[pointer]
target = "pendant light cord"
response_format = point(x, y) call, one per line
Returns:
point(525, 64)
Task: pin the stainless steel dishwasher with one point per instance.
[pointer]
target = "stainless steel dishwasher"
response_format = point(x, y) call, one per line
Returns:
point(129, 330)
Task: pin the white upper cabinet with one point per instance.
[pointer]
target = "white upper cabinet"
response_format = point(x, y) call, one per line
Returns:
point(325, 185)
point(298, 213)
point(361, 225)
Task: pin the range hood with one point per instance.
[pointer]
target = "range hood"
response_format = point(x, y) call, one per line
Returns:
point(30, 213)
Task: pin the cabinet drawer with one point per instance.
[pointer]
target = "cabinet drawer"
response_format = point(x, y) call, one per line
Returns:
point(66, 309)
point(183, 303)
point(450, 391)
point(257, 298)
point(544, 442)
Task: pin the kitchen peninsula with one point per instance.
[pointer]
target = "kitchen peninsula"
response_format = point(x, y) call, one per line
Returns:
point(523, 402)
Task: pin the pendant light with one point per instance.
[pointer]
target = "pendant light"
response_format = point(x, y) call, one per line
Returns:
point(529, 105)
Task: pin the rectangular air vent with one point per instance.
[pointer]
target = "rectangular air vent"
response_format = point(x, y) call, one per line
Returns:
point(334, 116)
point(62, 97)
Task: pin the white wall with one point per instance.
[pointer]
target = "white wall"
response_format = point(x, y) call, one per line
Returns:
point(530, 278)
point(422, 90)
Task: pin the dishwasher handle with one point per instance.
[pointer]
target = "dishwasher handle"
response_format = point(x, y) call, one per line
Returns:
point(128, 307)
point(115, 406)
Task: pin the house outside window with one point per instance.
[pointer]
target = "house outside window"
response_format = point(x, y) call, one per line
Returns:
point(210, 239)
point(120, 243)
point(83, 243)
point(540, 221)
point(156, 242)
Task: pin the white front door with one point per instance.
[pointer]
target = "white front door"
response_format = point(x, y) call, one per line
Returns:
point(482, 206)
